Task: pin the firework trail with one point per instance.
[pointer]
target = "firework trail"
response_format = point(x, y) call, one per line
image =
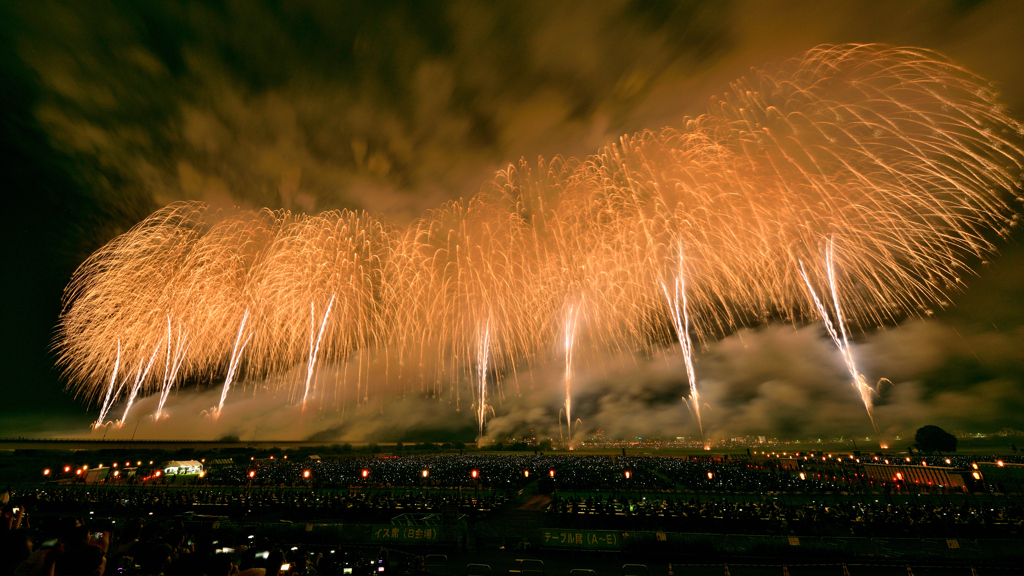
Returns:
point(907, 158)
point(172, 366)
point(314, 349)
point(840, 337)
point(110, 389)
point(140, 377)
point(676, 300)
point(236, 356)
point(572, 316)
point(482, 356)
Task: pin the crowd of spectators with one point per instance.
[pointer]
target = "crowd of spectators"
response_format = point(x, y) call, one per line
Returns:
point(751, 474)
point(499, 472)
point(494, 472)
point(145, 528)
point(513, 472)
point(367, 507)
point(60, 545)
point(725, 516)
point(823, 473)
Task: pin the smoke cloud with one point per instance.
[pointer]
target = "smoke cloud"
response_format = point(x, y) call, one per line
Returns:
point(396, 108)
point(791, 383)
point(776, 381)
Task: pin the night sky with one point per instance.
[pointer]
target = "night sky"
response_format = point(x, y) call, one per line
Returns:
point(111, 110)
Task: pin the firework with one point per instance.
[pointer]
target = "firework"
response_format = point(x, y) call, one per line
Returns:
point(899, 161)
point(572, 317)
point(840, 336)
point(676, 300)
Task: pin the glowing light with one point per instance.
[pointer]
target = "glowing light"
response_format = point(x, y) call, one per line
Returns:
point(977, 475)
point(474, 473)
point(803, 476)
point(551, 473)
point(305, 474)
point(46, 472)
point(365, 473)
point(999, 463)
point(67, 468)
point(526, 473)
point(426, 473)
point(628, 474)
point(711, 475)
point(252, 473)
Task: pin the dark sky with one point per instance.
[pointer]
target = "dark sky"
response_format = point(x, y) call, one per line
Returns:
point(113, 109)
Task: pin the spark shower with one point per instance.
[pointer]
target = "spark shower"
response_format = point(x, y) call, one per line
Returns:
point(871, 174)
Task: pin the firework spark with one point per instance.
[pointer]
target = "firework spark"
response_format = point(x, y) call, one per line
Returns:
point(905, 158)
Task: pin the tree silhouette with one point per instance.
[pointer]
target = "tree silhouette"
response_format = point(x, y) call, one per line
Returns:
point(934, 439)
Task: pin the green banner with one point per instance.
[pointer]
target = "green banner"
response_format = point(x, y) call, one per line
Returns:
point(409, 534)
point(589, 539)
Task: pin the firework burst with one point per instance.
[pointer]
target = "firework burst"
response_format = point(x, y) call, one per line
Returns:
point(901, 163)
